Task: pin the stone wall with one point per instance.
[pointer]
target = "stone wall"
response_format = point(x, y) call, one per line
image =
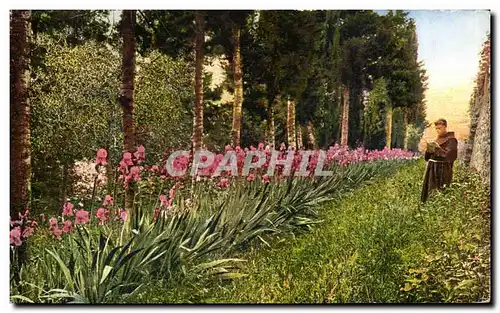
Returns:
point(478, 149)
point(480, 158)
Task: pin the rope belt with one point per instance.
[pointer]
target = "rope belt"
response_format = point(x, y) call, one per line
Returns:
point(436, 161)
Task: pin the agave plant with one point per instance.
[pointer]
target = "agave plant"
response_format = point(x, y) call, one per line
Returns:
point(97, 270)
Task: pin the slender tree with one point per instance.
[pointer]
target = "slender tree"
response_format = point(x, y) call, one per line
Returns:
point(345, 117)
point(406, 128)
point(290, 123)
point(126, 98)
point(299, 136)
point(20, 158)
point(20, 155)
point(238, 86)
point(388, 125)
point(198, 106)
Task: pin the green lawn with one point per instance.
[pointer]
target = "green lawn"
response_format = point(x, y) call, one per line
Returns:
point(375, 244)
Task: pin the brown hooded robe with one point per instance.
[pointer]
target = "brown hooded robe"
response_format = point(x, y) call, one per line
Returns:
point(439, 169)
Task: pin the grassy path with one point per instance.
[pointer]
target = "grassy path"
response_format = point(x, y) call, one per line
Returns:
point(368, 247)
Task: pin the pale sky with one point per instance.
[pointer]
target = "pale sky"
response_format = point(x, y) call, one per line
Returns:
point(450, 43)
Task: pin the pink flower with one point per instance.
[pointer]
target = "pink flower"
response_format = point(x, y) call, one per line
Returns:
point(123, 168)
point(34, 224)
point(265, 178)
point(155, 168)
point(102, 214)
point(125, 162)
point(43, 217)
point(140, 154)
point(28, 231)
point(251, 177)
point(127, 158)
point(82, 217)
point(56, 232)
point(108, 200)
point(165, 201)
point(26, 214)
point(223, 183)
point(102, 154)
point(135, 173)
point(68, 209)
point(123, 215)
point(53, 222)
point(67, 227)
point(180, 163)
point(15, 237)
point(171, 193)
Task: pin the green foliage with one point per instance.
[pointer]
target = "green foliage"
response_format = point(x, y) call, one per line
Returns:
point(94, 269)
point(74, 112)
point(170, 32)
point(73, 27)
point(66, 27)
point(374, 117)
point(456, 267)
point(74, 102)
point(414, 136)
point(307, 61)
point(220, 25)
point(163, 100)
point(398, 128)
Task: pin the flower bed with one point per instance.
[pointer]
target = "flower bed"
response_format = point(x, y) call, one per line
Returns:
point(88, 254)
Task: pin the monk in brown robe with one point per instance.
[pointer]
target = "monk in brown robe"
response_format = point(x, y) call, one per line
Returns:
point(439, 169)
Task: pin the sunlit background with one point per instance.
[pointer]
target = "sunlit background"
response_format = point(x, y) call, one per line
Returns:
point(449, 44)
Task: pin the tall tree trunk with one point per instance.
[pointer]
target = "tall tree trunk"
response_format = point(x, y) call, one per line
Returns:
point(298, 128)
point(20, 154)
point(126, 100)
point(388, 126)
point(270, 134)
point(290, 123)
point(345, 118)
point(198, 106)
point(311, 140)
point(340, 109)
point(406, 128)
point(238, 88)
